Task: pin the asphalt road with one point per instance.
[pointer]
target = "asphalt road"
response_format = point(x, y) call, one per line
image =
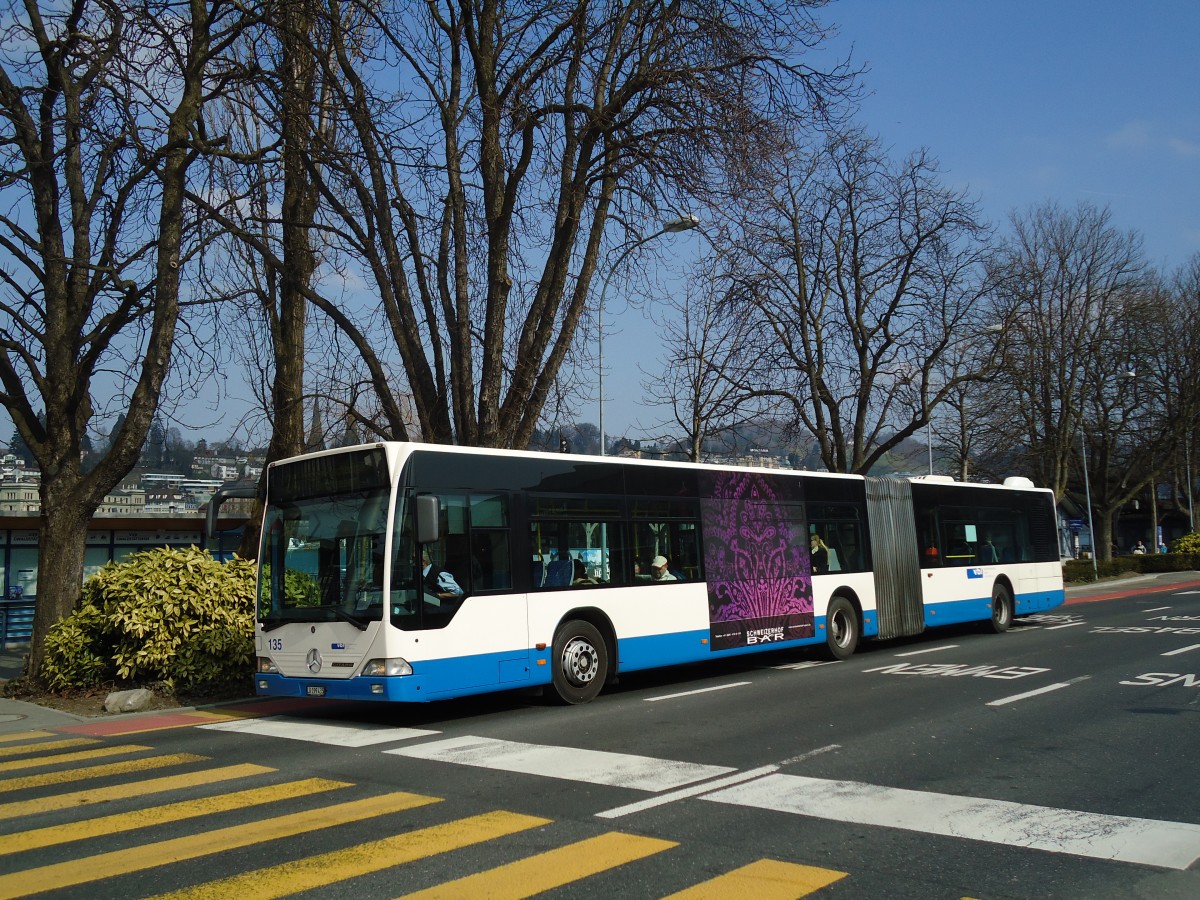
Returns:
point(1057, 760)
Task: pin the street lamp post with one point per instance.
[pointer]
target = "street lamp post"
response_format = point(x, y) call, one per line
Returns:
point(1187, 452)
point(1087, 491)
point(671, 226)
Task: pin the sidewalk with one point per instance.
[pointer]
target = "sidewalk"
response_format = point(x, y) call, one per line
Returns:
point(17, 715)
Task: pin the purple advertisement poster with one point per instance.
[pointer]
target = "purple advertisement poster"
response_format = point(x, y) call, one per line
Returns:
point(755, 559)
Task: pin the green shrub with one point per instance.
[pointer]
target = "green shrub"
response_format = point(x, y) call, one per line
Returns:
point(1080, 570)
point(164, 615)
point(1189, 543)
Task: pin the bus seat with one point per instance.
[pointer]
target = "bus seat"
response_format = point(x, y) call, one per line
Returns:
point(559, 572)
point(537, 575)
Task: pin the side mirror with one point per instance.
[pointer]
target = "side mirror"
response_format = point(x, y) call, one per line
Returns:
point(428, 519)
point(223, 493)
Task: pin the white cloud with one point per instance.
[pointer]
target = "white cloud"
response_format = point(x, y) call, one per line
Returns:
point(1184, 148)
point(1141, 135)
point(1135, 135)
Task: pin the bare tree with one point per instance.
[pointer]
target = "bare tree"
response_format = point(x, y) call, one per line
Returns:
point(712, 353)
point(484, 154)
point(100, 109)
point(862, 276)
point(1071, 290)
point(1168, 371)
point(266, 197)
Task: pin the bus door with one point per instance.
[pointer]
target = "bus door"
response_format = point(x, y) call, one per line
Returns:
point(895, 556)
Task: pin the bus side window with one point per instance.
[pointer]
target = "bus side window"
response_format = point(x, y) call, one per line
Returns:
point(678, 542)
point(575, 554)
point(491, 562)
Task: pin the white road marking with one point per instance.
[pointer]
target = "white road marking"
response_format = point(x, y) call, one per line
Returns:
point(929, 650)
point(1067, 625)
point(319, 733)
point(1180, 594)
point(1182, 650)
point(693, 791)
point(719, 687)
point(1161, 608)
point(697, 789)
point(1171, 845)
point(642, 773)
point(807, 664)
point(1042, 690)
point(811, 753)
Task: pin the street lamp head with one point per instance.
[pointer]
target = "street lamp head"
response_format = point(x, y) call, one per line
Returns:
point(681, 223)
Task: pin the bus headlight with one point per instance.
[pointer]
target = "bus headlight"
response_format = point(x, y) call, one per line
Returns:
point(266, 666)
point(384, 667)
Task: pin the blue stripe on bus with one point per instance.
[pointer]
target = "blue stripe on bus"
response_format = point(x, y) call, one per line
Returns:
point(1037, 601)
point(979, 609)
point(461, 676)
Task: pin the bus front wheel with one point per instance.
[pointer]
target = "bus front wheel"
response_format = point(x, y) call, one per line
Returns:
point(580, 662)
point(1002, 609)
point(841, 628)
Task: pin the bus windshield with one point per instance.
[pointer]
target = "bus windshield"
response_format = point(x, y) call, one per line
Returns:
point(322, 556)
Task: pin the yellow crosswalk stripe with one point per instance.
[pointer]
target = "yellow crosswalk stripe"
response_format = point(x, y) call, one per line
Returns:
point(122, 768)
point(546, 871)
point(14, 765)
point(148, 856)
point(160, 815)
point(48, 745)
point(24, 736)
point(373, 856)
point(766, 879)
point(79, 799)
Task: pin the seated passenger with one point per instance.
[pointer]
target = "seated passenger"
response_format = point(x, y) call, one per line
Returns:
point(581, 576)
point(659, 570)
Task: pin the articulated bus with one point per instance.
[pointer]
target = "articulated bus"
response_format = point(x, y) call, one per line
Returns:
point(416, 572)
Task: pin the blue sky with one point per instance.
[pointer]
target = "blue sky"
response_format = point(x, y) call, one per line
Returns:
point(1030, 101)
point(1022, 102)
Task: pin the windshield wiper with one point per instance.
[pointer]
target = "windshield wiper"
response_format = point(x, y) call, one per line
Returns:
point(346, 617)
point(272, 624)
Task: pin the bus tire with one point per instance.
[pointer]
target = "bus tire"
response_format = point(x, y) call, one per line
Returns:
point(580, 662)
point(842, 629)
point(1002, 609)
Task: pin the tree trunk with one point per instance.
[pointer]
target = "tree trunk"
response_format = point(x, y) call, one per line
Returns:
point(62, 537)
point(300, 200)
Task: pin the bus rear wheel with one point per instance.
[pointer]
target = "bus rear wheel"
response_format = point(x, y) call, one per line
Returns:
point(580, 662)
point(841, 629)
point(1002, 609)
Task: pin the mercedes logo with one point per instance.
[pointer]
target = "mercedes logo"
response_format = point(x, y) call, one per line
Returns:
point(314, 660)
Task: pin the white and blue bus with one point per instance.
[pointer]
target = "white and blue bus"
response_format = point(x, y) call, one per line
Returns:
point(417, 572)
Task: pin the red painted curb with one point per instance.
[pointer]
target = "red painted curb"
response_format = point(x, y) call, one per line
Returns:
point(1132, 592)
point(159, 721)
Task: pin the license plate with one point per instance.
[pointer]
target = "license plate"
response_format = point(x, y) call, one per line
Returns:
point(315, 690)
